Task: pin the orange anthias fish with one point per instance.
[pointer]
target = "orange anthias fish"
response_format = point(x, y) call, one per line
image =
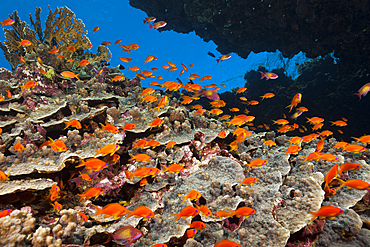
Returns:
point(93, 163)
point(170, 144)
point(125, 59)
point(157, 25)
point(295, 101)
point(69, 74)
point(18, 147)
point(186, 212)
point(354, 148)
point(227, 243)
point(83, 63)
point(247, 181)
point(364, 139)
point(293, 150)
point(118, 41)
point(327, 211)
point(113, 209)
point(149, 59)
point(315, 120)
point(267, 96)
point(152, 144)
point(140, 157)
point(141, 211)
point(224, 213)
point(241, 90)
point(339, 123)
point(332, 173)
point(348, 167)
point(224, 57)
point(270, 143)
point(156, 123)
point(54, 192)
point(92, 192)
point(110, 128)
point(363, 90)
point(140, 172)
point(281, 121)
point(126, 235)
point(257, 163)
point(162, 103)
point(193, 195)
point(222, 134)
point(176, 168)
point(25, 43)
point(29, 84)
point(107, 149)
point(129, 126)
point(95, 30)
point(57, 146)
point(7, 22)
point(354, 184)
point(71, 48)
point(244, 211)
point(74, 123)
point(149, 20)
point(205, 210)
point(57, 207)
point(5, 212)
point(54, 50)
point(268, 75)
point(3, 176)
point(199, 225)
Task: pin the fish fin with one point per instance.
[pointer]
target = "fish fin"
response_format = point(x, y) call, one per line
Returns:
point(178, 216)
point(342, 183)
point(102, 125)
point(109, 237)
point(67, 125)
point(332, 217)
point(81, 196)
point(165, 168)
point(321, 217)
point(128, 174)
point(129, 214)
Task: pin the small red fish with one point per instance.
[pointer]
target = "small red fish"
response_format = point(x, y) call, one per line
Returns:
point(113, 209)
point(354, 184)
point(363, 90)
point(93, 163)
point(74, 123)
point(157, 25)
point(3, 176)
point(107, 149)
point(224, 57)
point(193, 195)
point(110, 128)
point(141, 211)
point(92, 192)
point(199, 225)
point(7, 22)
point(25, 43)
point(95, 30)
point(227, 243)
point(186, 212)
point(29, 84)
point(268, 75)
point(18, 147)
point(5, 212)
point(327, 211)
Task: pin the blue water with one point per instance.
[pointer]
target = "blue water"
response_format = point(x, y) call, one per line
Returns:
point(121, 21)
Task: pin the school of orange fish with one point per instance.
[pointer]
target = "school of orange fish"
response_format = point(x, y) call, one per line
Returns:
point(192, 92)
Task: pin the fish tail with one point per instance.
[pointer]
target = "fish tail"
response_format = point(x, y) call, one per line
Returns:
point(109, 237)
point(67, 125)
point(359, 95)
point(129, 214)
point(82, 164)
point(129, 174)
point(218, 60)
point(151, 26)
point(165, 168)
point(98, 210)
point(102, 125)
point(82, 196)
point(178, 216)
point(357, 139)
point(184, 198)
point(262, 75)
point(342, 183)
point(313, 218)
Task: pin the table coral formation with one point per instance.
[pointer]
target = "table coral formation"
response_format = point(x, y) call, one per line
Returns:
point(94, 160)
